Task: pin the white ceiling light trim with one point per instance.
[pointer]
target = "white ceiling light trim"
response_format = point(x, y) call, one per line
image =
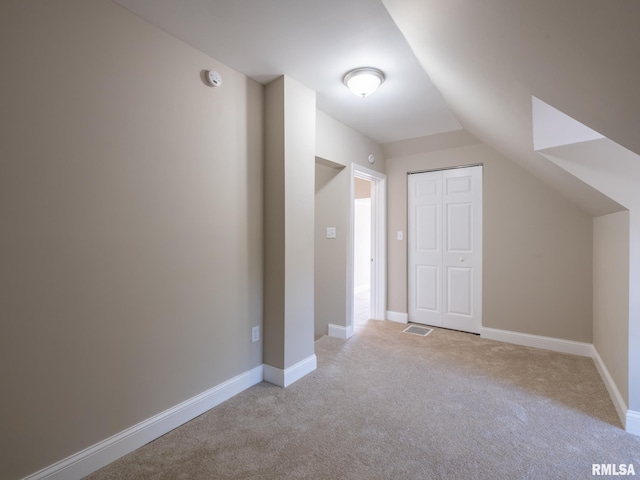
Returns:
point(363, 81)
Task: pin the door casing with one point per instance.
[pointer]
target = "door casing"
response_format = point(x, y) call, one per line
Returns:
point(378, 244)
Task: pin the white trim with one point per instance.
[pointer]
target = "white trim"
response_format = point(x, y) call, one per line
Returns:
point(379, 248)
point(537, 341)
point(630, 419)
point(274, 375)
point(350, 254)
point(398, 317)
point(102, 453)
point(284, 378)
point(633, 422)
point(339, 331)
point(378, 242)
point(614, 393)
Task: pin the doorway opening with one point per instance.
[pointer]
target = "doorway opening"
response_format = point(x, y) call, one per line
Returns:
point(367, 249)
point(362, 234)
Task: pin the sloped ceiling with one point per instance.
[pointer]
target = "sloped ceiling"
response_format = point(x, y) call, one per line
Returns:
point(488, 58)
point(450, 64)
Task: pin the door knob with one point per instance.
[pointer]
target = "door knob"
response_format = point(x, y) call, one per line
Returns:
point(461, 260)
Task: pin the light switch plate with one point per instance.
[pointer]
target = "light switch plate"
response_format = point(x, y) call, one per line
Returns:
point(400, 235)
point(331, 232)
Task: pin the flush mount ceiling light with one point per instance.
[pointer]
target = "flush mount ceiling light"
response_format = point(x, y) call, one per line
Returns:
point(363, 81)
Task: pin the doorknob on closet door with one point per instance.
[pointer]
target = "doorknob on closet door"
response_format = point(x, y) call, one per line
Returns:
point(461, 259)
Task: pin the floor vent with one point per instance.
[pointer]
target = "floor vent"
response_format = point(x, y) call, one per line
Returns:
point(416, 330)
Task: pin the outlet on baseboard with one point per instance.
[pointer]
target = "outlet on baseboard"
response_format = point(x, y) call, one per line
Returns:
point(255, 334)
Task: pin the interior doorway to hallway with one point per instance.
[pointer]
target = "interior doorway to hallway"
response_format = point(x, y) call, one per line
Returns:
point(362, 260)
point(367, 282)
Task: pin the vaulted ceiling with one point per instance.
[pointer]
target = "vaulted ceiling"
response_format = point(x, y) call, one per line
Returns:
point(488, 58)
point(450, 64)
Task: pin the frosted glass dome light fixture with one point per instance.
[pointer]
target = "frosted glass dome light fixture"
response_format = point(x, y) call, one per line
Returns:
point(363, 81)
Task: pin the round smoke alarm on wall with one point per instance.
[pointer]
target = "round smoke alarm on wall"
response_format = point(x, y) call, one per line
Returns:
point(372, 158)
point(213, 78)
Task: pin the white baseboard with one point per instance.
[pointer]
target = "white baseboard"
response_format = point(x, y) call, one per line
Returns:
point(633, 422)
point(102, 453)
point(97, 456)
point(397, 317)
point(630, 419)
point(284, 378)
point(537, 341)
point(614, 393)
point(339, 331)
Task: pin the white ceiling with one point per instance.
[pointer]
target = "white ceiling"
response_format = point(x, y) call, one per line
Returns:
point(486, 59)
point(316, 43)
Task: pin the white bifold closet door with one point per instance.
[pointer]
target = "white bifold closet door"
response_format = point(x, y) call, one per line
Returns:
point(445, 248)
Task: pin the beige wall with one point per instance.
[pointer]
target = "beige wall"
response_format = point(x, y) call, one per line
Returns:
point(290, 113)
point(332, 210)
point(131, 243)
point(611, 296)
point(337, 147)
point(274, 217)
point(341, 144)
point(614, 171)
point(537, 246)
point(300, 134)
point(362, 188)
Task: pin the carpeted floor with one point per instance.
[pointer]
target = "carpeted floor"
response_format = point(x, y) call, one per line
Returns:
point(390, 405)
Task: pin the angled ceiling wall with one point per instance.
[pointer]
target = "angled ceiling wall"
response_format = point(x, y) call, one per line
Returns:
point(489, 58)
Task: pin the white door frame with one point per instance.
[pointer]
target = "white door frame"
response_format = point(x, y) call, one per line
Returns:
point(378, 243)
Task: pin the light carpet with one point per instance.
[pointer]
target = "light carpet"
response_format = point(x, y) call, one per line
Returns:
point(390, 405)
